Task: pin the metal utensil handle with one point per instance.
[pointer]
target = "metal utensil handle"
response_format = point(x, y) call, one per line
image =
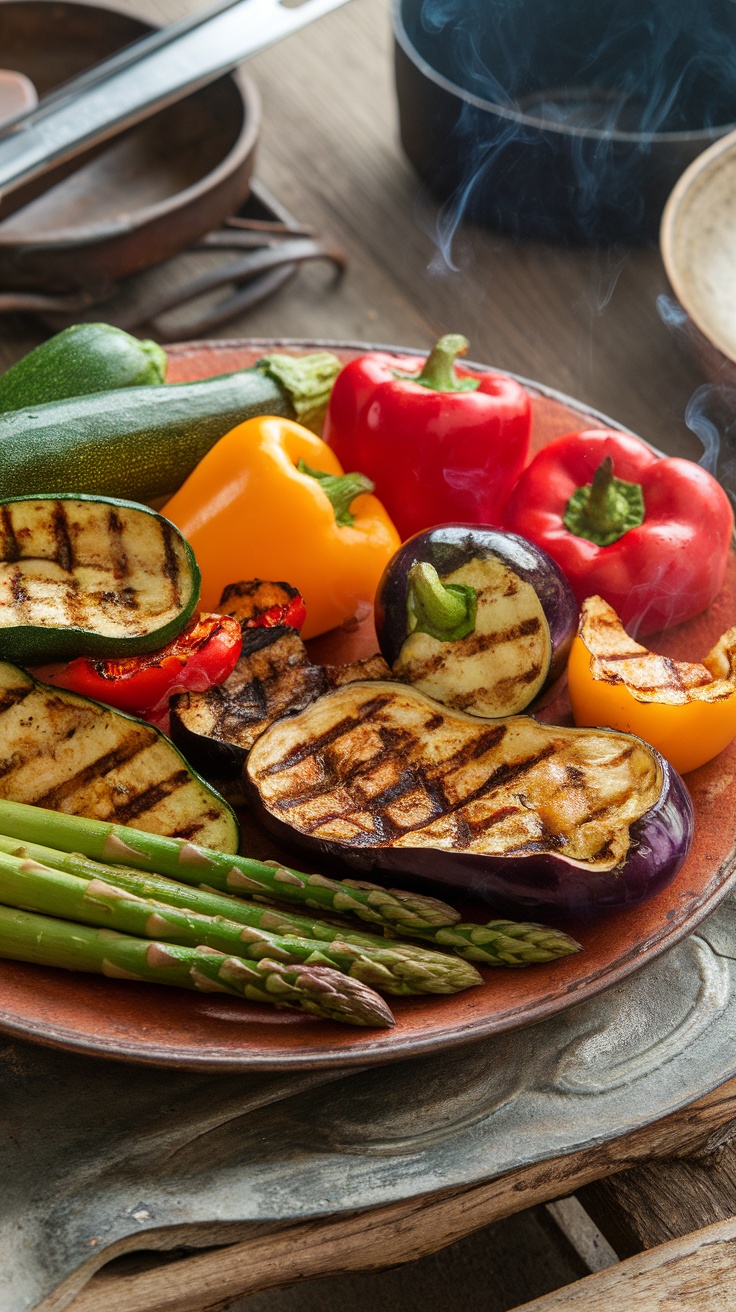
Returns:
point(129, 54)
point(136, 91)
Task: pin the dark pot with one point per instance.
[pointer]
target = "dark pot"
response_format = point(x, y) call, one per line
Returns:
point(562, 119)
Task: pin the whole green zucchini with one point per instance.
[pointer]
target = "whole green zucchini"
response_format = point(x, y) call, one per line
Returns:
point(90, 576)
point(142, 442)
point(86, 358)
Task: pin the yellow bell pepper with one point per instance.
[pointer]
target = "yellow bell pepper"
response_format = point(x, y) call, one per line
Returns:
point(687, 711)
point(270, 500)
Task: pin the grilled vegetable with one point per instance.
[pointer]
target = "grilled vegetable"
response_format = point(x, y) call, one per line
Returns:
point(199, 657)
point(68, 754)
point(274, 676)
point(399, 911)
point(396, 968)
point(258, 604)
point(156, 435)
point(46, 941)
point(81, 576)
point(687, 711)
point(88, 357)
point(478, 619)
point(515, 811)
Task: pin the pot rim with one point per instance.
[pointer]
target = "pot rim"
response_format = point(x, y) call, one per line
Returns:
point(403, 40)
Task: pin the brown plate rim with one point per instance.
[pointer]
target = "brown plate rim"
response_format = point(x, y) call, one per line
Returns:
point(389, 1046)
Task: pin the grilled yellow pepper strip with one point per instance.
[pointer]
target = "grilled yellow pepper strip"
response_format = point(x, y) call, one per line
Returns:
point(687, 711)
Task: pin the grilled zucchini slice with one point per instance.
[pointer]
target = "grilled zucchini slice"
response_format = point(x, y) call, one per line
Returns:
point(64, 752)
point(83, 576)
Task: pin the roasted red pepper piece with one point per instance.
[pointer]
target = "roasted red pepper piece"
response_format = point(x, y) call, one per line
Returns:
point(292, 615)
point(440, 443)
point(260, 604)
point(203, 655)
point(649, 535)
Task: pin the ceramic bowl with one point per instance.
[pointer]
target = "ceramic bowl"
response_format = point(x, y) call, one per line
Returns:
point(698, 244)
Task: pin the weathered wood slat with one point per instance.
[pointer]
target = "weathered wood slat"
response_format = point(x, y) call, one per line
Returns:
point(695, 1273)
point(662, 1200)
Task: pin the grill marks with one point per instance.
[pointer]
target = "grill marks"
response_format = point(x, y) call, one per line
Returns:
point(274, 679)
point(502, 665)
point(617, 659)
point(383, 765)
point(85, 564)
point(64, 553)
point(67, 754)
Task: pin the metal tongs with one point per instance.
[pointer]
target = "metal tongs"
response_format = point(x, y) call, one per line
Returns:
point(141, 79)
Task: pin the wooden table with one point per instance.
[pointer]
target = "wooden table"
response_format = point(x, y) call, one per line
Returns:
point(586, 323)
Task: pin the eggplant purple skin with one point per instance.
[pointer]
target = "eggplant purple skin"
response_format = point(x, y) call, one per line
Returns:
point(449, 546)
point(544, 883)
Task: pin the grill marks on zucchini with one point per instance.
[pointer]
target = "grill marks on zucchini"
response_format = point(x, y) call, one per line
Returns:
point(501, 666)
point(66, 753)
point(73, 563)
point(80, 576)
point(380, 765)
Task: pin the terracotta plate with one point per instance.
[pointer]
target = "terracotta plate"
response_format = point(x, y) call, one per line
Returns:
point(168, 1027)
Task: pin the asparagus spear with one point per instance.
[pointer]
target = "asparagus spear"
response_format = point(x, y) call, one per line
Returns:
point(504, 942)
point(207, 901)
point(499, 943)
point(46, 941)
point(98, 900)
point(407, 912)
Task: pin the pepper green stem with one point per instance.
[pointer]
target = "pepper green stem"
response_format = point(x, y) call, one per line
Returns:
point(438, 373)
point(605, 509)
point(443, 610)
point(307, 381)
point(342, 489)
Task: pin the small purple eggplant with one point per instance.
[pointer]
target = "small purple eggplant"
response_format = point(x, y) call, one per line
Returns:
point(519, 814)
point(478, 619)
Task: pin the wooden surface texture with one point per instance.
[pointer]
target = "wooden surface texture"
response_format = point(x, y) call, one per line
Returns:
point(694, 1273)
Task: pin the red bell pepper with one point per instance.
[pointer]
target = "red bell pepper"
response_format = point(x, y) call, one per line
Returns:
point(440, 443)
point(649, 535)
point(203, 655)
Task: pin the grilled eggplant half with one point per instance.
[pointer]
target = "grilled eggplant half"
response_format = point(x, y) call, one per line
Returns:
point(83, 576)
point(64, 752)
point(520, 813)
point(478, 619)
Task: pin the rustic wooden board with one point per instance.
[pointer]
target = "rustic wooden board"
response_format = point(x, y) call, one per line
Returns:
point(695, 1272)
